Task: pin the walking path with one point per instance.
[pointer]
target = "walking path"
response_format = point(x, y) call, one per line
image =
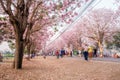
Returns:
point(101, 59)
point(107, 59)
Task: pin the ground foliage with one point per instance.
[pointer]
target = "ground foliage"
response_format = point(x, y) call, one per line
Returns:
point(61, 69)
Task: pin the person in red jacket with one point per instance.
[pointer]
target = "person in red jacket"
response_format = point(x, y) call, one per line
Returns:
point(57, 53)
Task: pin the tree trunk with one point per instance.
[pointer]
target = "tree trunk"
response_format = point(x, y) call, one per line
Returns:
point(100, 49)
point(28, 50)
point(17, 64)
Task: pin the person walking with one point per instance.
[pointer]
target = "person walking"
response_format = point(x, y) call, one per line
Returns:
point(95, 52)
point(85, 53)
point(90, 52)
point(62, 52)
point(57, 54)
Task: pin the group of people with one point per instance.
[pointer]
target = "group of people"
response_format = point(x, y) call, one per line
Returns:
point(89, 53)
point(85, 52)
point(60, 53)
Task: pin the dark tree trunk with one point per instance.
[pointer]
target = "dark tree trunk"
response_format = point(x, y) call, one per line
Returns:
point(28, 50)
point(19, 51)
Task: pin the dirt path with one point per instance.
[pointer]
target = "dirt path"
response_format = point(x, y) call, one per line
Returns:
point(61, 69)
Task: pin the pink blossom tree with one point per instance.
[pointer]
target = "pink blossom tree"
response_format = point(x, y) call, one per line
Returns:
point(24, 14)
point(5, 30)
point(99, 26)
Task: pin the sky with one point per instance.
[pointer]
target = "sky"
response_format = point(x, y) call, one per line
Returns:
point(109, 4)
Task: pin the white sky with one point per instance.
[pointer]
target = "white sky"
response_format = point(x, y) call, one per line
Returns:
point(109, 4)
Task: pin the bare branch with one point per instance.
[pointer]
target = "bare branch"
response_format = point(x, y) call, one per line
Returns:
point(3, 6)
point(33, 13)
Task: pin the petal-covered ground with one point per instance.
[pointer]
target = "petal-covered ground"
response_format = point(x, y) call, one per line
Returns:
point(65, 68)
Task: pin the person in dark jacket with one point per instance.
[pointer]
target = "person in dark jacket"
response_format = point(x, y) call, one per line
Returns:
point(85, 53)
point(62, 52)
point(95, 52)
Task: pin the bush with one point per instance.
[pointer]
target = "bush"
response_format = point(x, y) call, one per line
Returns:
point(8, 54)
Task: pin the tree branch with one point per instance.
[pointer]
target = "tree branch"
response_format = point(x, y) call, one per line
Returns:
point(33, 13)
point(3, 6)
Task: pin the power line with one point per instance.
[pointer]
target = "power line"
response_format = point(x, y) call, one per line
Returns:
point(81, 13)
